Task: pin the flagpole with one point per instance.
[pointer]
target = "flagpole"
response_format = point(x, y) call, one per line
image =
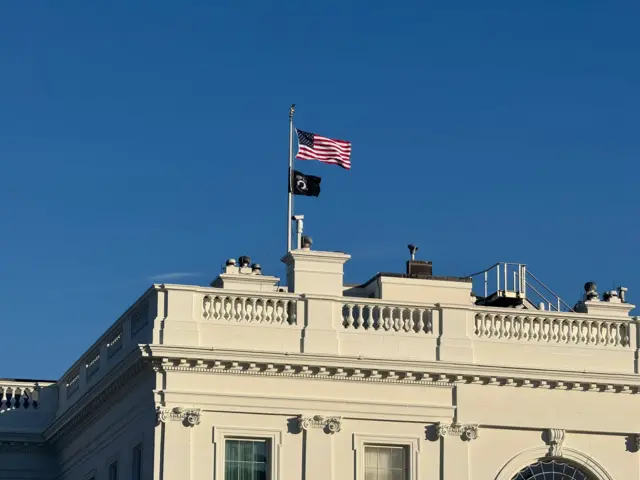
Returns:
point(290, 193)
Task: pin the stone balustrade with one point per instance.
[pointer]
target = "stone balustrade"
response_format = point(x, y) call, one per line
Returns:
point(18, 395)
point(551, 329)
point(378, 316)
point(262, 309)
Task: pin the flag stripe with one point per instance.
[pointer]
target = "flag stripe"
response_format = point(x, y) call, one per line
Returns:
point(302, 156)
point(322, 153)
point(327, 150)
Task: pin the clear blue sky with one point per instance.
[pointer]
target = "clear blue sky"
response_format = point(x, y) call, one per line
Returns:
point(140, 139)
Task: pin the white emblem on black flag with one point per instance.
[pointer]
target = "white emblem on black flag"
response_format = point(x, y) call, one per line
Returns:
point(307, 185)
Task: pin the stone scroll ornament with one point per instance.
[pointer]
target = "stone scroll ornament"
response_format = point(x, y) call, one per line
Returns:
point(190, 417)
point(555, 440)
point(329, 424)
point(465, 432)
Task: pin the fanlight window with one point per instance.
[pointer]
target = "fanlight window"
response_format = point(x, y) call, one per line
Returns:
point(551, 470)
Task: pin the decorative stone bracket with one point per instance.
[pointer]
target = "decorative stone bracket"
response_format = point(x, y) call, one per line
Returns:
point(465, 432)
point(188, 416)
point(555, 440)
point(328, 424)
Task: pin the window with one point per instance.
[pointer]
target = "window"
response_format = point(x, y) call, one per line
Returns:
point(386, 457)
point(113, 471)
point(385, 462)
point(246, 459)
point(551, 470)
point(136, 463)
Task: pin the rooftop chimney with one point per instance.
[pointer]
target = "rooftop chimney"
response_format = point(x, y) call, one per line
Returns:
point(418, 268)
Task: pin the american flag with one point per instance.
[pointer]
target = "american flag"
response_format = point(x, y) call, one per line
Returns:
point(328, 150)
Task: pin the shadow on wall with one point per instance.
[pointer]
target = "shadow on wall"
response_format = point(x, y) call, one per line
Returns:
point(293, 428)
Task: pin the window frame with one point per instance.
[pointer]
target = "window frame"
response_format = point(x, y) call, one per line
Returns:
point(110, 463)
point(413, 446)
point(271, 436)
point(138, 445)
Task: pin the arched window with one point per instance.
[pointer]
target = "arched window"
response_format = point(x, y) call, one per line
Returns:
point(551, 470)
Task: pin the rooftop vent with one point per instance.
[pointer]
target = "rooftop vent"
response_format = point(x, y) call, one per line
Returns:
point(418, 268)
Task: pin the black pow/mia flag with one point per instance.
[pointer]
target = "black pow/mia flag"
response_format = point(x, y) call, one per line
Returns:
point(307, 185)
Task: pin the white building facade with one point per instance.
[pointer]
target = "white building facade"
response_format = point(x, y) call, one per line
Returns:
point(408, 376)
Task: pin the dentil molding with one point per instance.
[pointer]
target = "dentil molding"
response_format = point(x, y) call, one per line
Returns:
point(432, 376)
point(188, 416)
point(328, 424)
point(465, 432)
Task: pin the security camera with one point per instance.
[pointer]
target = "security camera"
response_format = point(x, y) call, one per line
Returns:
point(297, 217)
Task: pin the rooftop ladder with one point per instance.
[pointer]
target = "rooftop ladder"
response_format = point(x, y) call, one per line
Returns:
point(511, 285)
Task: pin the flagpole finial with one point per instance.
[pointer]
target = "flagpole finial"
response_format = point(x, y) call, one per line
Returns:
point(292, 110)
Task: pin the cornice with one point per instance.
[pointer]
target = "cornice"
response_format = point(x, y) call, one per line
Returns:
point(442, 374)
point(101, 394)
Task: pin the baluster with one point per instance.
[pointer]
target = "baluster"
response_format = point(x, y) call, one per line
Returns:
point(241, 307)
point(420, 321)
point(258, 311)
point(369, 320)
point(574, 331)
point(497, 326)
point(407, 315)
point(524, 328)
point(227, 308)
point(613, 334)
point(545, 329)
point(359, 320)
point(488, 320)
point(397, 317)
point(3, 400)
point(555, 330)
point(517, 328)
point(277, 312)
point(237, 307)
point(206, 307)
point(270, 311)
point(248, 309)
point(508, 326)
point(535, 328)
point(583, 327)
point(217, 307)
point(478, 325)
point(349, 318)
point(386, 313)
